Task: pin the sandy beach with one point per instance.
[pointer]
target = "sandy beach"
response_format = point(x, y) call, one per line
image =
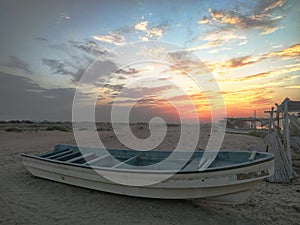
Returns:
point(166, 68)
point(29, 200)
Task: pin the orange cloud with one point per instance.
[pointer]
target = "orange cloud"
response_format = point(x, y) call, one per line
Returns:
point(226, 18)
point(204, 20)
point(290, 52)
point(217, 38)
point(266, 101)
point(294, 87)
point(241, 61)
point(274, 5)
point(253, 77)
point(235, 62)
point(281, 72)
point(257, 19)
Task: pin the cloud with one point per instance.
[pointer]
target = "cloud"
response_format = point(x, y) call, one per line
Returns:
point(278, 72)
point(64, 17)
point(228, 24)
point(42, 39)
point(269, 5)
point(258, 17)
point(145, 32)
point(263, 101)
point(204, 20)
point(64, 47)
point(240, 61)
point(100, 69)
point(269, 30)
point(220, 17)
point(243, 42)
point(56, 66)
point(112, 38)
point(183, 64)
point(137, 92)
point(128, 71)
point(114, 87)
point(218, 50)
point(276, 46)
point(252, 77)
point(178, 55)
point(142, 26)
point(76, 62)
point(120, 94)
point(294, 87)
point(63, 68)
point(28, 100)
point(90, 47)
point(15, 62)
point(232, 19)
point(153, 33)
point(287, 53)
point(247, 98)
point(86, 46)
point(151, 101)
point(149, 98)
point(217, 38)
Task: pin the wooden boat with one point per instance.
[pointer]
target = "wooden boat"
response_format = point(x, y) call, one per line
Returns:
point(229, 178)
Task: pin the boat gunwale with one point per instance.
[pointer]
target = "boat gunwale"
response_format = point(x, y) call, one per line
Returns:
point(269, 157)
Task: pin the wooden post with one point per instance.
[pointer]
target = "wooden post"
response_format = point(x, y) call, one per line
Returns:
point(277, 117)
point(271, 121)
point(287, 131)
point(254, 122)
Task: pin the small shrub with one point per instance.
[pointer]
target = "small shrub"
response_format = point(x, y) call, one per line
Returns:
point(103, 129)
point(258, 134)
point(173, 125)
point(83, 128)
point(14, 129)
point(59, 128)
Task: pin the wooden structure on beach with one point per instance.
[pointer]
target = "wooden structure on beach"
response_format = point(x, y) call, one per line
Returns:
point(248, 123)
point(282, 124)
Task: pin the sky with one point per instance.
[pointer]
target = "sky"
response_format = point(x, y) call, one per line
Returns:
point(245, 53)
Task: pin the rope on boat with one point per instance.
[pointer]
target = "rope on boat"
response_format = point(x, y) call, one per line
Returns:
point(283, 170)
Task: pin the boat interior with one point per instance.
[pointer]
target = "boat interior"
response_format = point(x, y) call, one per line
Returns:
point(153, 160)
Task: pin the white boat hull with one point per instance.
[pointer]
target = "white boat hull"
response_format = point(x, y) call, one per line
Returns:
point(229, 186)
